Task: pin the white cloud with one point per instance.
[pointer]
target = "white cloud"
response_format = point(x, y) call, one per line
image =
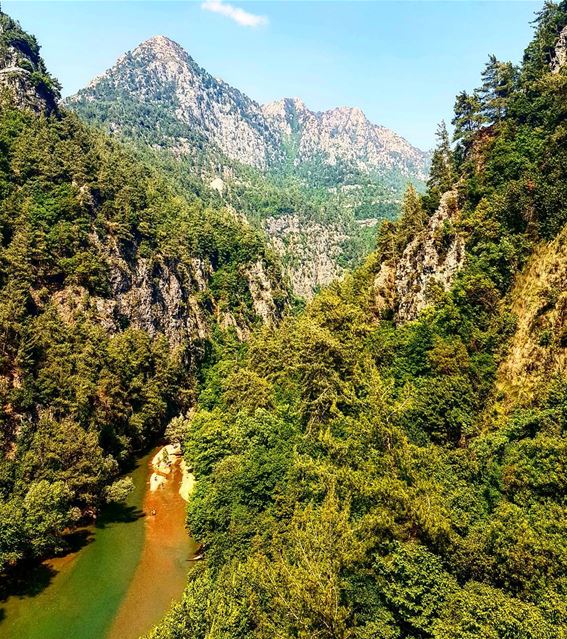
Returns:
point(241, 17)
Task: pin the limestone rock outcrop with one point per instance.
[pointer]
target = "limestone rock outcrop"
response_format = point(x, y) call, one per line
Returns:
point(23, 76)
point(407, 285)
point(559, 57)
point(430, 261)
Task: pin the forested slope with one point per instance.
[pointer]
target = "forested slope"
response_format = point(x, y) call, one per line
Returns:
point(393, 462)
point(112, 286)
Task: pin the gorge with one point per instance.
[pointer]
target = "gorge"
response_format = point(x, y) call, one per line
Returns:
point(380, 455)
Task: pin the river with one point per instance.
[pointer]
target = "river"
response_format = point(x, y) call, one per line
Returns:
point(121, 579)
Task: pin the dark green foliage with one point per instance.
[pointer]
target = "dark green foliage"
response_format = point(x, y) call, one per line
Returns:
point(467, 119)
point(499, 83)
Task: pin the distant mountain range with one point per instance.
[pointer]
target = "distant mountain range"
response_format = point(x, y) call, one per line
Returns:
point(160, 73)
point(344, 172)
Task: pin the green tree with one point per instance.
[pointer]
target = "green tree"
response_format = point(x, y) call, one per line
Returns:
point(47, 513)
point(468, 117)
point(499, 81)
point(481, 612)
point(441, 173)
point(412, 219)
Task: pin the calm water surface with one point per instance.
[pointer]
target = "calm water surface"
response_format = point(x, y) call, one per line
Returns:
point(128, 570)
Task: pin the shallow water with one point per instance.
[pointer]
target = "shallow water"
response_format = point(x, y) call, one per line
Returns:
point(161, 572)
point(122, 579)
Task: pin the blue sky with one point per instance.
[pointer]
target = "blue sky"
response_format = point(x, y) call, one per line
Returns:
point(401, 62)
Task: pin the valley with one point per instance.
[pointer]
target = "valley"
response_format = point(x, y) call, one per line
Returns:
point(354, 351)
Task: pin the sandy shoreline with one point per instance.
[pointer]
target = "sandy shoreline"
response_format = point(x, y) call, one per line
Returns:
point(187, 481)
point(163, 463)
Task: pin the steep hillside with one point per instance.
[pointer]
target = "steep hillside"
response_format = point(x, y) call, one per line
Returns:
point(344, 135)
point(537, 351)
point(113, 287)
point(393, 462)
point(334, 173)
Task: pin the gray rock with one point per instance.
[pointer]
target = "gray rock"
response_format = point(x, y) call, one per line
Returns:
point(559, 57)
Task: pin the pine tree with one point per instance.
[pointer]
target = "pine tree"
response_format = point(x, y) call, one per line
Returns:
point(412, 219)
point(468, 118)
point(441, 172)
point(499, 82)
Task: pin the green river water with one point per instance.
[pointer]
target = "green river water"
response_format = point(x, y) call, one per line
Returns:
point(83, 595)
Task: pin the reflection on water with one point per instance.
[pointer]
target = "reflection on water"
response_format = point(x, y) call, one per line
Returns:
point(107, 580)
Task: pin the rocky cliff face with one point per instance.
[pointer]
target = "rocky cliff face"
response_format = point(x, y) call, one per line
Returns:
point(23, 75)
point(430, 261)
point(158, 296)
point(427, 265)
point(559, 57)
point(166, 297)
point(310, 251)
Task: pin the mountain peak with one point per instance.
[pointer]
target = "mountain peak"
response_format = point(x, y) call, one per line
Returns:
point(161, 44)
point(162, 49)
point(352, 114)
point(298, 103)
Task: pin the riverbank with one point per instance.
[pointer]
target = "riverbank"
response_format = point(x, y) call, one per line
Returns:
point(164, 462)
point(83, 590)
point(187, 481)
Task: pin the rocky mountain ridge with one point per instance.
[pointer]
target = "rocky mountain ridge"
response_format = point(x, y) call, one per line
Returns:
point(160, 72)
point(344, 134)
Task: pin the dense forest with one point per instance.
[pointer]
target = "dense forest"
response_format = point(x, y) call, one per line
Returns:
point(363, 476)
point(85, 384)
